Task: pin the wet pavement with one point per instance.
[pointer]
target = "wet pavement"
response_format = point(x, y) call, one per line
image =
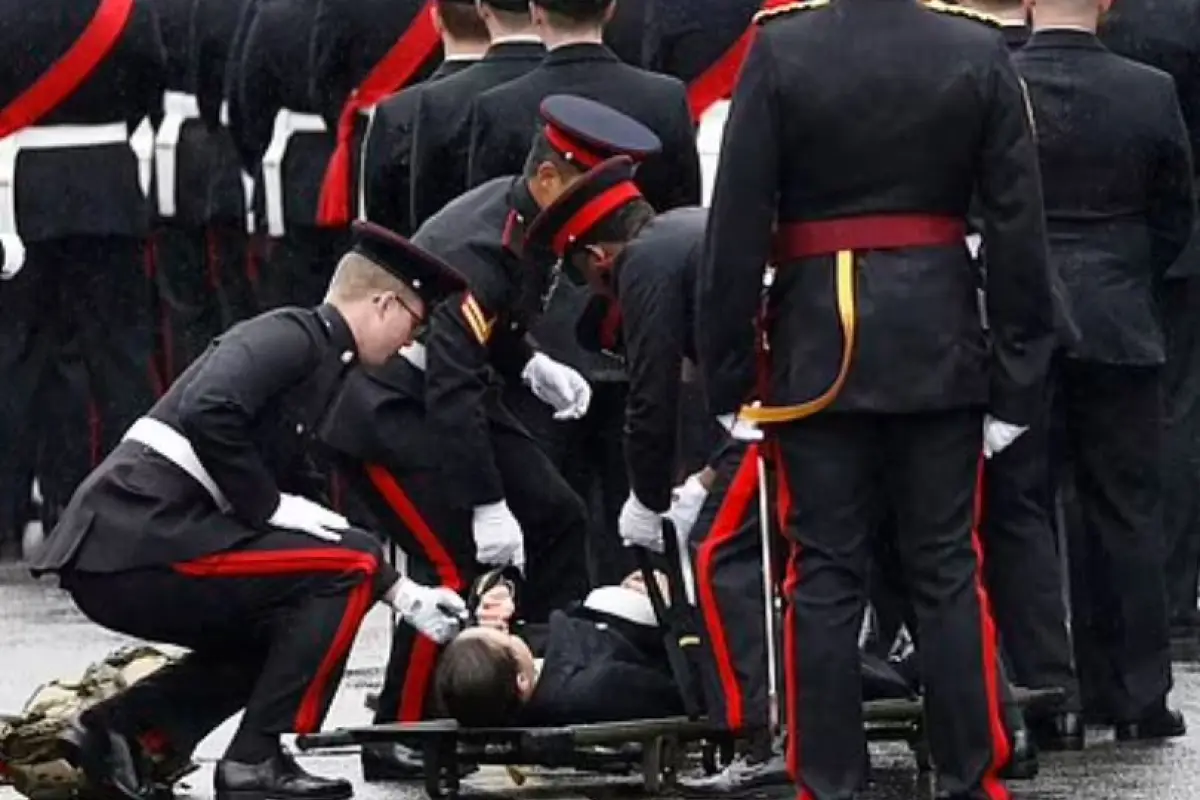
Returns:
point(44, 638)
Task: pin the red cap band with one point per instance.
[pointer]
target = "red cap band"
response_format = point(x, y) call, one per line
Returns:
point(571, 148)
point(593, 212)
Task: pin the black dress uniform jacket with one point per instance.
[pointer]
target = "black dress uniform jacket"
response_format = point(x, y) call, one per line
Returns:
point(505, 119)
point(598, 668)
point(249, 407)
point(848, 147)
point(685, 37)
point(88, 191)
point(211, 47)
point(474, 338)
point(268, 74)
point(656, 284)
point(1119, 203)
point(418, 139)
point(1165, 35)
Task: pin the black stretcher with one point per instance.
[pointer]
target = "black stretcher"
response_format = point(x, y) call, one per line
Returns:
point(657, 747)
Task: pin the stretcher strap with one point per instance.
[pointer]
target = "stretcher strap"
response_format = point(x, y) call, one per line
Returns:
point(848, 319)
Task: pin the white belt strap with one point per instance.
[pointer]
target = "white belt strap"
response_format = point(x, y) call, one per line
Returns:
point(48, 137)
point(287, 123)
point(142, 144)
point(178, 108)
point(248, 192)
point(174, 446)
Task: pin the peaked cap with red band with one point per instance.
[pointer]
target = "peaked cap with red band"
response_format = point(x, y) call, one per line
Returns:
point(591, 200)
point(585, 132)
point(430, 277)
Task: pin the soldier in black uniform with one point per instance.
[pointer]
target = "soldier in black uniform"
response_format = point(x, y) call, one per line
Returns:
point(1167, 36)
point(362, 52)
point(418, 139)
point(76, 328)
point(502, 121)
point(196, 531)
point(1012, 16)
point(485, 491)
point(1117, 168)
point(858, 194)
point(200, 238)
point(285, 145)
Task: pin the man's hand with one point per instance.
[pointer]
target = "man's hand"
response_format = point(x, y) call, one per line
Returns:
point(498, 538)
point(639, 526)
point(558, 386)
point(999, 435)
point(436, 612)
point(636, 581)
point(686, 501)
point(496, 608)
point(740, 429)
point(295, 513)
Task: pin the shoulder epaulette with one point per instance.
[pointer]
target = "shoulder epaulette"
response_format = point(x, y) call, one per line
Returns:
point(788, 8)
point(963, 11)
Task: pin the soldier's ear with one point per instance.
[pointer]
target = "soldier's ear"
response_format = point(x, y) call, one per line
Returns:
point(437, 19)
point(610, 12)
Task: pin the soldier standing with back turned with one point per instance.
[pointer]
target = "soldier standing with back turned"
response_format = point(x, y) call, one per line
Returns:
point(854, 177)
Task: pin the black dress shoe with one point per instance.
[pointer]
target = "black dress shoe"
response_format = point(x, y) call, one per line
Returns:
point(1023, 758)
point(106, 758)
point(1058, 732)
point(1158, 723)
point(277, 778)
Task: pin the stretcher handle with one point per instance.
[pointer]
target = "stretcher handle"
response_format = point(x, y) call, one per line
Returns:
point(324, 739)
point(672, 620)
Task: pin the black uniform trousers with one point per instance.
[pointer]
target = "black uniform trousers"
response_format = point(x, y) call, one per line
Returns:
point(590, 454)
point(269, 624)
point(76, 363)
point(436, 536)
point(294, 269)
point(727, 562)
point(1023, 568)
point(203, 288)
point(843, 473)
point(1110, 434)
point(1181, 446)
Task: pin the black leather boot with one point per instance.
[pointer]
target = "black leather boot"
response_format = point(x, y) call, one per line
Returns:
point(277, 778)
point(1158, 722)
point(1058, 732)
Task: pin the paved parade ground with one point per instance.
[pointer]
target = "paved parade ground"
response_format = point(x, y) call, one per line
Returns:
point(44, 637)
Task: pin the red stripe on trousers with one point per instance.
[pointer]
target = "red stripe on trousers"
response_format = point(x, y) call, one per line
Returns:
point(419, 674)
point(262, 564)
point(733, 509)
point(992, 786)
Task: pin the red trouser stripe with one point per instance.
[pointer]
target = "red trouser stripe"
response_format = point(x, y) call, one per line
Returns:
point(424, 654)
point(725, 528)
point(262, 564)
point(992, 786)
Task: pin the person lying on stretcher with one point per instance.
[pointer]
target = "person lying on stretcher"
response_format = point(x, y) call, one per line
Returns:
point(604, 661)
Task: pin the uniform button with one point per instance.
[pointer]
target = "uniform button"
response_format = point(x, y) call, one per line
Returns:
point(512, 326)
point(300, 428)
point(347, 356)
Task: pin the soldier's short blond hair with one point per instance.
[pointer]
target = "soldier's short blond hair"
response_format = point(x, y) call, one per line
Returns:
point(358, 277)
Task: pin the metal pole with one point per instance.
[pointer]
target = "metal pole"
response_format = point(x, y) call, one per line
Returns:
point(764, 525)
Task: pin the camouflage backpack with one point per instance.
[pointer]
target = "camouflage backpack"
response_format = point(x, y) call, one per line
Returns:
point(29, 754)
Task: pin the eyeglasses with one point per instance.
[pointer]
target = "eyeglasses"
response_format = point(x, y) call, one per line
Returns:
point(419, 317)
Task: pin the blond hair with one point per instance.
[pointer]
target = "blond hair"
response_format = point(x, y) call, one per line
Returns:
point(358, 278)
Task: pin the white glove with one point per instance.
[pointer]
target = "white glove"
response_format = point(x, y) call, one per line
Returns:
point(998, 435)
point(740, 429)
point(639, 526)
point(13, 257)
point(498, 538)
point(437, 612)
point(295, 513)
point(686, 502)
point(558, 386)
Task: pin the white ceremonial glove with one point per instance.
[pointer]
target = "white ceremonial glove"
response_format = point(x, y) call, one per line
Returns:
point(436, 612)
point(686, 501)
point(498, 538)
point(295, 513)
point(558, 386)
point(740, 429)
point(639, 526)
point(998, 435)
point(13, 256)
